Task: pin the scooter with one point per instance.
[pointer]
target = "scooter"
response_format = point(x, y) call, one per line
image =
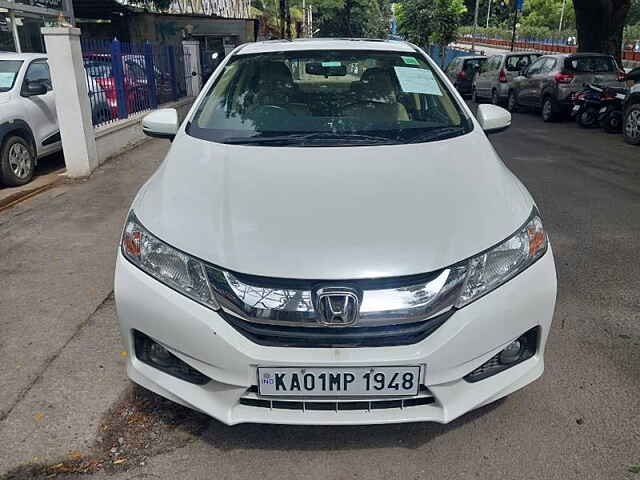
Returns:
point(586, 106)
point(610, 115)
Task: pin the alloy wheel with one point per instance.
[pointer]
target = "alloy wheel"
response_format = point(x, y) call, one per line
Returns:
point(632, 125)
point(547, 110)
point(511, 103)
point(20, 161)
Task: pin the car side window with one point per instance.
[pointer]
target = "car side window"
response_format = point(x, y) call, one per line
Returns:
point(453, 66)
point(549, 65)
point(38, 72)
point(536, 67)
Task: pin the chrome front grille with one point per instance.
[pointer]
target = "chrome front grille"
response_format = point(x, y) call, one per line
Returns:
point(286, 312)
point(252, 399)
point(327, 337)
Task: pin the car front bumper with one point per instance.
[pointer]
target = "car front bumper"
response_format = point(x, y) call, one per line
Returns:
point(204, 340)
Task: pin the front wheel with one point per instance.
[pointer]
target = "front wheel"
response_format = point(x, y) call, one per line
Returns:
point(588, 118)
point(17, 162)
point(548, 110)
point(631, 125)
point(512, 103)
point(474, 96)
point(613, 122)
point(495, 99)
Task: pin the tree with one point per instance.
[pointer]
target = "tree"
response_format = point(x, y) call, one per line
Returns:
point(600, 25)
point(546, 13)
point(352, 18)
point(448, 15)
point(431, 21)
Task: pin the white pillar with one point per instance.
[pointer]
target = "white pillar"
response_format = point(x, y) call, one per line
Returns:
point(191, 50)
point(72, 99)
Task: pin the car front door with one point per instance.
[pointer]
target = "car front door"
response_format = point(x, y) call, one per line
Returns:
point(483, 79)
point(531, 82)
point(41, 109)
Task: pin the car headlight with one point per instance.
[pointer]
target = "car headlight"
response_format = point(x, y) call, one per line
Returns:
point(499, 264)
point(166, 264)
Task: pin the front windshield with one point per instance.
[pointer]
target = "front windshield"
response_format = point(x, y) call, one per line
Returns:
point(8, 72)
point(328, 97)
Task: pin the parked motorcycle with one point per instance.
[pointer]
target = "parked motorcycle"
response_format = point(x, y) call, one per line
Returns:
point(586, 106)
point(596, 105)
point(610, 115)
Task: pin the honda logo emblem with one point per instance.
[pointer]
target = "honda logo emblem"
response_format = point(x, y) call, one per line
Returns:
point(337, 307)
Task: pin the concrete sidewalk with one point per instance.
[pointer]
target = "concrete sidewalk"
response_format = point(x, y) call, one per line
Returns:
point(62, 364)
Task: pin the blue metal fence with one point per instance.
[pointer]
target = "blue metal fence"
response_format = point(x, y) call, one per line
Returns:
point(125, 78)
point(449, 54)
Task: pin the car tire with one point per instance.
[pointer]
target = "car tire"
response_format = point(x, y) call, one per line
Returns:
point(100, 114)
point(631, 125)
point(549, 110)
point(474, 96)
point(17, 162)
point(512, 102)
point(495, 99)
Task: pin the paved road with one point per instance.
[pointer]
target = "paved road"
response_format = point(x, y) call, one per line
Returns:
point(580, 421)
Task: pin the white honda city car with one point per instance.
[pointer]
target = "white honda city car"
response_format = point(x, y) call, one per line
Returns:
point(332, 239)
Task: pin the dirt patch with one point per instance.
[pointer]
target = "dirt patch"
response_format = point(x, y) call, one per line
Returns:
point(140, 425)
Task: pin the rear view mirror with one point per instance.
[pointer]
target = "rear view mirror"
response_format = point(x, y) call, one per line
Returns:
point(326, 69)
point(493, 119)
point(161, 123)
point(34, 88)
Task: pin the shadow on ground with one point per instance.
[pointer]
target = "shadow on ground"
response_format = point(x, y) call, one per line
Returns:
point(142, 425)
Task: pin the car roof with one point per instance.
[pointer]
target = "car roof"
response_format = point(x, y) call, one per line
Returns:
point(472, 57)
point(529, 52)
point(325, 44)
point(21, 56)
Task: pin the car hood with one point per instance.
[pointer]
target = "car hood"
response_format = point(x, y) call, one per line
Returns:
point(333, 212)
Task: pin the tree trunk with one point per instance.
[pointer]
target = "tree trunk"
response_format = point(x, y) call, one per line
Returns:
point(600, 25)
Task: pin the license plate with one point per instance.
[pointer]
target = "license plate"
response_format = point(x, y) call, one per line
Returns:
point(338, 382)
point(576, 108)
point(603, 109)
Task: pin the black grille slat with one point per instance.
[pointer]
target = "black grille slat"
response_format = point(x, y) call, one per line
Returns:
point(319, 337)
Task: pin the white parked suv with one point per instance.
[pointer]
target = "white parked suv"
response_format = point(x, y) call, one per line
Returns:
point(332, 239)
point(28, 121)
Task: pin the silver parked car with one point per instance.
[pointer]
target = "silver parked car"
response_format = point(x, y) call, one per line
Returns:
point(551, 81)
point(631, 124)
point(496, 75)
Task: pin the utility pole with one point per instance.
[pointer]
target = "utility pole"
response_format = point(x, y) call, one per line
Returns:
point(564, 2)
point(488, 13)
point(475, 27)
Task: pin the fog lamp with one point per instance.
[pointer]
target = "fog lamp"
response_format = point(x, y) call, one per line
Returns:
point(152, 353)
point(512, 353)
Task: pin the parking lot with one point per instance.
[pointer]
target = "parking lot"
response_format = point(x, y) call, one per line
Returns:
point(66, 405)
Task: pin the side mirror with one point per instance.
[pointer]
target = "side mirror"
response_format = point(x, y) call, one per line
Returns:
point(161, 123)
point(31, 89)
point(493, 119)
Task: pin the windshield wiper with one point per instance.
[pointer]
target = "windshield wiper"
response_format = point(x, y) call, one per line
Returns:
point(439, 133)
point(317, 137)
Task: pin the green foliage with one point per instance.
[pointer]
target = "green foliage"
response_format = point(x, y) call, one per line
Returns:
point(546, 13)
point(430, 21)
point(448, 14)
point(352, 18)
